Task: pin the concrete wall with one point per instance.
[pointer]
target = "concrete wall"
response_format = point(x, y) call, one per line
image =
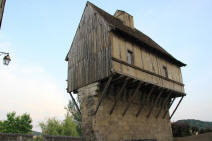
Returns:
point(26, 137)
point(115, 127)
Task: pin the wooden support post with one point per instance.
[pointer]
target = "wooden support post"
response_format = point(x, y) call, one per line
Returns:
point(163, 103)
point(117, 96)
point(133, 96)
point(150, 94)
point(147, 99)
point(154, 103)
point(75, 103)
point(103, 93)
point(168, 107)
point(141, 105)
point(176, 107)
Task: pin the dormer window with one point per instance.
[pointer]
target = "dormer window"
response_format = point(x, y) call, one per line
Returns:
point(129, 57)
point(165, 71)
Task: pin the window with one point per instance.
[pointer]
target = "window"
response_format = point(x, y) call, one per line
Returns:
point(165, 71)
point(129, 57)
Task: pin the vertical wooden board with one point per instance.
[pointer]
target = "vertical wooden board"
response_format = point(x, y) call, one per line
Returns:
point(177, 74)
point(170, 71)
point(115, 46)
point(116, 66)
point(125, 69)
point(131, 71)
point(180, 75)
point(140, 75)
point(128, 45)
point(160, 66)
point(94, 42)
point(149, 61)
point(165, 84)
point(122, 46)
point(155, 80)
point(134, 58)
point(111, 39)
point(137, 56)
point(177, 87)
point(171, 85)
point(142, 57)
point(174, 73)
point(154, 63)
point(148, 77)
point(145, 59)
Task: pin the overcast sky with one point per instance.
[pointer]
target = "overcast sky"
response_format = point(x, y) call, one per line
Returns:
point(38, 34)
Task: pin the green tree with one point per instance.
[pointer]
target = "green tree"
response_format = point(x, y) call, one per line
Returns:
point(16, 124)
point(51, 127)
point(71, 110)
point(70, 126)
point(63, 128)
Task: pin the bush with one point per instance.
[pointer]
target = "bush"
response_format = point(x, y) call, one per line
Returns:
point(16, 124)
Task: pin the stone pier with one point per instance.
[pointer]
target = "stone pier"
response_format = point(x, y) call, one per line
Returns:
point(115, 127)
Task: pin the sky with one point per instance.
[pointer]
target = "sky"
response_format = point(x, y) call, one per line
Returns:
point(38, 35)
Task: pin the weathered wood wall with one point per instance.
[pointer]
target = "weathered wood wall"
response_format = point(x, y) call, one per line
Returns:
point(89, 56)
point(147, 66)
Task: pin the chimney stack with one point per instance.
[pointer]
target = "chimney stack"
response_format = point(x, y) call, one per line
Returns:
point(125, 17)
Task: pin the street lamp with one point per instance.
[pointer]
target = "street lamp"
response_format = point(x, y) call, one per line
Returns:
point(6, 59)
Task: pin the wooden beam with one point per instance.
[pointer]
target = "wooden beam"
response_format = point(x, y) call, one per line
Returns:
point(145, 99)
point(146, 71)
point(177, 107)
point(168, 107)
point(133, 96)
point(116, 96)
point(163, 103)
point(150, 94)
point(154, 103)
point(75, 103)
point(103, 93)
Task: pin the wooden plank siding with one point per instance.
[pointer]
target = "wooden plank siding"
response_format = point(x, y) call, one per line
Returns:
point(97, 51)
point(145, 60)
point(89, 56)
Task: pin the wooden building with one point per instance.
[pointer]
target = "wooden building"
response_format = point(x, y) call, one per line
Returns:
point(108, 49)
point(2, 5)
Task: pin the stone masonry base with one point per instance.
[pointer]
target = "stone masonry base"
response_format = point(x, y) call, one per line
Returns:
point(115, 127)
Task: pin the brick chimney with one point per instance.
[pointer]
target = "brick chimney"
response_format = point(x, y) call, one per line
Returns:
point(125, 17)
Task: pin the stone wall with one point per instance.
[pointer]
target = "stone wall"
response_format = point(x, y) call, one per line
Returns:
point(61, 138)
point(115, 127)
point(15, 137)
point(29, 137)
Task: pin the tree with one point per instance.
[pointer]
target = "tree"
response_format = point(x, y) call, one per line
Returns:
point(180, 129)
point(72, 110)
point(70, 126)
point(63, 128)
point(16, 124)
point(51, 127)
